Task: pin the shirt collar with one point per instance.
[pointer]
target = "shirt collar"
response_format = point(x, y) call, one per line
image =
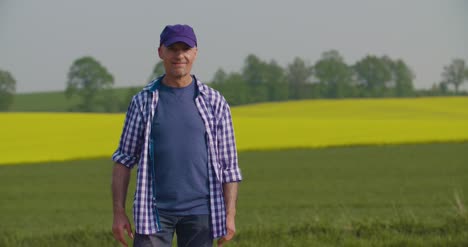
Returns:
point(156, 83)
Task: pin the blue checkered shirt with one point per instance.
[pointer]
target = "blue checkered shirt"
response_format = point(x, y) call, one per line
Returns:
point(134, 148)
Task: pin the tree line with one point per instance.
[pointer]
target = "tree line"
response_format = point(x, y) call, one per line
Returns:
point(330, 77)
point(262, 81)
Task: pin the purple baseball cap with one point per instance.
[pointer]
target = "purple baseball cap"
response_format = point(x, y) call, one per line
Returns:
point(178, 33)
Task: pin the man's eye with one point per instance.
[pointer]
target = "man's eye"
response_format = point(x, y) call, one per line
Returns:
point(176, 49)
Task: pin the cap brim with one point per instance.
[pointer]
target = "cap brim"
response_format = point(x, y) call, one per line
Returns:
point(185, 40)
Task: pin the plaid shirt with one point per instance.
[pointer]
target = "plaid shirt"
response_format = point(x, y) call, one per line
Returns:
point(135, 145)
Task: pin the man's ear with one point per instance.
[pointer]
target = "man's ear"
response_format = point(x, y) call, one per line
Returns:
point(159, 52)
point(196, 52)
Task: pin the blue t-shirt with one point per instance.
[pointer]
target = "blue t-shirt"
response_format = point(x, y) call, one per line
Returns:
point(180, 153)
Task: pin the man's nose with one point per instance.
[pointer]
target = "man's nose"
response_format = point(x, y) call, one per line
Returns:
point(179, 53)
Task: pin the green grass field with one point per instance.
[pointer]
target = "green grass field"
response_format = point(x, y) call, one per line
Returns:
point(41, 102)
point(403, 195)
point(51, 101)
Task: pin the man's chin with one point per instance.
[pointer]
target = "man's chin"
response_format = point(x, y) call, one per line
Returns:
point(179, 73)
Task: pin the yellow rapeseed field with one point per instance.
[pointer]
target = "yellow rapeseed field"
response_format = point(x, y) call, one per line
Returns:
point(35, 137)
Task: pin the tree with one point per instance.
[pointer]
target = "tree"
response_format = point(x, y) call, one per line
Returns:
point(219, 76)
point(254, 74)
point(403, 77)
point(253, 71)
point(275, 80)
point(334, 74)
point(91, 81)
point(234, 88)
point(298, 76)
point(455, 73)
point(373, 74)
point(129, 93)
point(7, 89)
point(158, 71)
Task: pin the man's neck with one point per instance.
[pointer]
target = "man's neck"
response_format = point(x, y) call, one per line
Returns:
point(177, 82)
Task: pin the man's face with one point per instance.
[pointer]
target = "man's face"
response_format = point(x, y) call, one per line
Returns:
point(178, 59)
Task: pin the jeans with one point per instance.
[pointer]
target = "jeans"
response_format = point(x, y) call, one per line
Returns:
point(191, 230)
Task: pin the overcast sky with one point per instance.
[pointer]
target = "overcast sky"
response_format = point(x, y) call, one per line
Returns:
point(39, 40)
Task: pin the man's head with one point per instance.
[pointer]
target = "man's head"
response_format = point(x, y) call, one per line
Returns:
point(178, 50)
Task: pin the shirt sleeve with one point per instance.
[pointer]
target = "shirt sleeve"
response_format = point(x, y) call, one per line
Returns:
point(227, 150)
point(128, 152)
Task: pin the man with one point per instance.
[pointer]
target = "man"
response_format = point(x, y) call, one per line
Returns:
point(179, 131)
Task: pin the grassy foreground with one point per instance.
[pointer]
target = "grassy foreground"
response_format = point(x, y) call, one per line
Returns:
point(408, 195)
point(298, 124)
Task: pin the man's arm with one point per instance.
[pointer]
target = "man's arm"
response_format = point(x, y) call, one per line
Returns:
point(120, 180)
point(230, 201)
point(230, 198)
point(230, 172)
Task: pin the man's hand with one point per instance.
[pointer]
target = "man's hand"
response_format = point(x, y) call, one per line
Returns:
point(231, 230)
point(120, 224)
